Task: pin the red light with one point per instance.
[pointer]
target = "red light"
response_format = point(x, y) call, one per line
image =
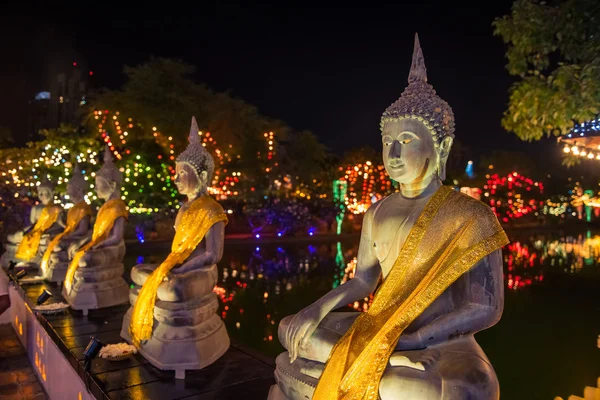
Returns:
point(91, 73)
point(74, 64)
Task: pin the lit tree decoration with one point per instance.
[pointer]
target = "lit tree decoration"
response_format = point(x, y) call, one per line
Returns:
point(512, 196)
point(366, 184)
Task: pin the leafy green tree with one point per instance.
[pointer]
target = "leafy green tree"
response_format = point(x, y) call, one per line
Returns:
point(554, 50)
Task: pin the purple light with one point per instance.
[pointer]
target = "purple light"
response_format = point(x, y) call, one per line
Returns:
point(257, 236)
point(279, 234)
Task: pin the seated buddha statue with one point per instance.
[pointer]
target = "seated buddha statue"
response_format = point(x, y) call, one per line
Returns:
point(56, 259)
point(173, 319)
point(26, 246)
point(94, 278)
point(437, 253)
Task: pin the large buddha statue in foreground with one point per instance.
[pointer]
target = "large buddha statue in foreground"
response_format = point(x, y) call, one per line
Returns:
point(26, 246)
point(94, 278)
point(55, 260)
point(173, 319)
point(438, 253)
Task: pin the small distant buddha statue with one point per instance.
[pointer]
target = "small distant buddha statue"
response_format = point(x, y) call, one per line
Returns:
point(173, 319)
point(26, 246)
point(56, 259)
point(438, 255)
point(94, 278)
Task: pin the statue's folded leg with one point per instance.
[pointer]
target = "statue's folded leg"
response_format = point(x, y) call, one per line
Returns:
point(141, 272)
point(454, 370)
point(179, 287)
point(104, 256)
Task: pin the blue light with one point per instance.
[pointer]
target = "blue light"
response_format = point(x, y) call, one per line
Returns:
point(257, 248)
point(257, 236)
point(42, 96)
point(470, 170)
point(279, 234)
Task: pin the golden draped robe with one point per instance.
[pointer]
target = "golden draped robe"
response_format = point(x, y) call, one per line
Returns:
point(195, 222)
point(452, 234)
point(74, 216)
point(107, 215)
point(28, 247)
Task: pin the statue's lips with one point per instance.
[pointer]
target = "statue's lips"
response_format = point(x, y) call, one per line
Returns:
point(396, 166)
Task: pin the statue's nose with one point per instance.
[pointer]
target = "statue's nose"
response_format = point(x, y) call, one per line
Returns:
point(396, 150)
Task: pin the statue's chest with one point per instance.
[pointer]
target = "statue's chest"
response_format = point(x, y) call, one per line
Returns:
point(392, 224)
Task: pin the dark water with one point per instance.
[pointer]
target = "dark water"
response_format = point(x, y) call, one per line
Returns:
point(545, 345)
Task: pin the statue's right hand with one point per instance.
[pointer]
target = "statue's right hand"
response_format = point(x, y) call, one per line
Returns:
point(301, 328)
point(73, 247)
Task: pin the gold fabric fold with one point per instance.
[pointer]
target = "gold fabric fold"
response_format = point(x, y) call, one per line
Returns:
point(28, 247)
point(195, 222)
point(74, 216)
point(107, 215)
point(452, 234)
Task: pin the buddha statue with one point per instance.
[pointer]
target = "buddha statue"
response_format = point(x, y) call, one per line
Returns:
point(172, 319)
point(437, 253)
point(26, 246)
point(55, 260)
point(94, 278)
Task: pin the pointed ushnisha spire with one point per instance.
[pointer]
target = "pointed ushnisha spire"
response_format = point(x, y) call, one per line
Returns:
point(109, 170)
point(77, 180)
point(419, 101)
point(418, 71)
point(194, 132)
point(196, 155)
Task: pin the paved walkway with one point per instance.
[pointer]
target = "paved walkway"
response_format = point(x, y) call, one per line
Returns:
point(17, 379)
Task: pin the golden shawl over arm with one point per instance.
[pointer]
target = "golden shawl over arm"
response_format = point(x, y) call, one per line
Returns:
point(108, 214)
point(452, 234)
point(195, 222)
point(28, 247)
point(74, 217)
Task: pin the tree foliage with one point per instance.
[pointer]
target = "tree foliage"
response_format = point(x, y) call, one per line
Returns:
point(554, 49)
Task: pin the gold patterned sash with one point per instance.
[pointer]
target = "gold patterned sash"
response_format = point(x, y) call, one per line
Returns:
point(28, 247)
point(452, 234)
point(107, 215)
point(74, 216)
point(195, 222)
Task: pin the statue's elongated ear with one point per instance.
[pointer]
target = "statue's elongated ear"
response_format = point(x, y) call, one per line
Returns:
point(444, 152)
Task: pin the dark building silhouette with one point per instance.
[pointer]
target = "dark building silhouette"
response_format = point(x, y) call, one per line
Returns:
point(60, 105)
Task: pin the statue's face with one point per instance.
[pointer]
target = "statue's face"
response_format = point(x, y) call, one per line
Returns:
point(409, 153)
point(74, 192)
point(104, 188)
point(45, 195)
point(186, 179)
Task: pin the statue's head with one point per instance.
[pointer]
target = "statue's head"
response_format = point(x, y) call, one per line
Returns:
point(45, 192)
point(194, 167)
point(77, 185)
point(108, 177)
point(417, 130)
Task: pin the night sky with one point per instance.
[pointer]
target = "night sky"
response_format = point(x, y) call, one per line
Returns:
point(331, 70)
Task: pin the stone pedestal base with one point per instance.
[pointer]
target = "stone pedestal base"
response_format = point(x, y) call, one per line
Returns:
point(186, 335)
point(59, 262)
point(276, 394)
point(56, 272)
point(98, 281)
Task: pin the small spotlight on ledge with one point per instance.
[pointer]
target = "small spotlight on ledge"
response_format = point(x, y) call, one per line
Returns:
point(43, 297)
point(11, 265)
point(91, 351)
